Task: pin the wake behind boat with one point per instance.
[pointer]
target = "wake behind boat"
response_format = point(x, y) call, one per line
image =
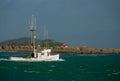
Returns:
point(43, 55)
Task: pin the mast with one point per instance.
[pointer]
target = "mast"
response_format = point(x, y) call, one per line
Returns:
point(33, 29)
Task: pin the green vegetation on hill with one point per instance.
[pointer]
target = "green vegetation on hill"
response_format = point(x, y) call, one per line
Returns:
point(19, 41)
point(26, 41)
point(24, 45)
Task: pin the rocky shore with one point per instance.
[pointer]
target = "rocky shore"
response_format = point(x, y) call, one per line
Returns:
point(66, 50)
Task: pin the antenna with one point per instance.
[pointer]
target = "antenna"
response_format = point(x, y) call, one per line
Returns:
point(33, 23)
point(45, 37)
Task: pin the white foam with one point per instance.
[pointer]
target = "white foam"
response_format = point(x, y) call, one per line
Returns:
point(28, 60)
point(52, 66)
point(37, 72)
point(31, 59)
point(3, 59)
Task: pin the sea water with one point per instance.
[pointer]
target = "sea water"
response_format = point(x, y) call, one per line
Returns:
point(75, 67)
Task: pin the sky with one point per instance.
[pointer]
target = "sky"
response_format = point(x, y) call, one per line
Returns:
point(93, 23)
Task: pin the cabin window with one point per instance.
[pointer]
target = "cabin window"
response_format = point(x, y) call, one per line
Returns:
point(42, 53)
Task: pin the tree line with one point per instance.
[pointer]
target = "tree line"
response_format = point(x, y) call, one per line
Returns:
point(24, 45)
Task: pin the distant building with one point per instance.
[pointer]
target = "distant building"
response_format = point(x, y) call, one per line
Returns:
point(64, 46)
point(85, 47)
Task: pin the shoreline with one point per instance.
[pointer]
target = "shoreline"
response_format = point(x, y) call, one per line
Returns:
point(66, 50)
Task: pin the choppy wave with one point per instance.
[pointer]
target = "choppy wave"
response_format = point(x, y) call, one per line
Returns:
point(26, 71)
point(52, 66)
point(74, 68)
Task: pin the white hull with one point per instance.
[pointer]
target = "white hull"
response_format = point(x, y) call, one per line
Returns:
point(44, 55)
point(48, 58)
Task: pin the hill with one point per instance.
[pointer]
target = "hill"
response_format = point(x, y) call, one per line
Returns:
point(26, 41)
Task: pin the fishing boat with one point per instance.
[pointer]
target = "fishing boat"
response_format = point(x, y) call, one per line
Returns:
point(43, 55)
